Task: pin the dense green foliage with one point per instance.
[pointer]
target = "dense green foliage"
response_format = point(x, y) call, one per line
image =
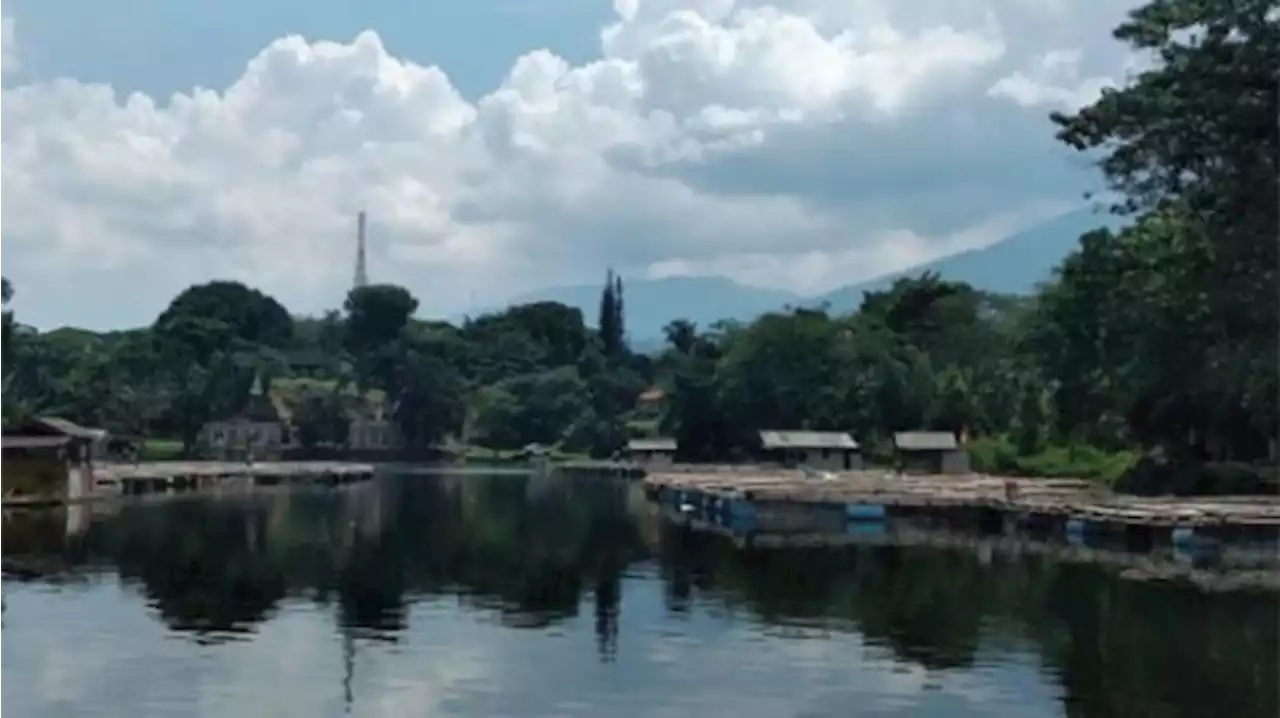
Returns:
point(1162, 335)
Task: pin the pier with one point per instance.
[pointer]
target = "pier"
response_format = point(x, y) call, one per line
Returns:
point(1252, 566)
point(1060, 500)
point(186, 475)
point(112, 480)
point(790, 506)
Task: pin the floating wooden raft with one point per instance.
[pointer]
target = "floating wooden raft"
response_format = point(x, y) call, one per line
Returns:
point(1066, 498)
point(1138, 566)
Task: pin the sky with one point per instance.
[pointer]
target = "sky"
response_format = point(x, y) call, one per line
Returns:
point(500, 146)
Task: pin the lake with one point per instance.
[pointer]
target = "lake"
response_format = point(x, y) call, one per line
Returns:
point(514, 596)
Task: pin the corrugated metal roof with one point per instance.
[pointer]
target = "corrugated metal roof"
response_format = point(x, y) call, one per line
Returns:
point(33, 442)
point(70, 428)
point(651, 445)
point(807, 440)
point(925, 440)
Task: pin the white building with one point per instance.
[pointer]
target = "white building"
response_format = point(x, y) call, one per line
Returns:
point(242, 438)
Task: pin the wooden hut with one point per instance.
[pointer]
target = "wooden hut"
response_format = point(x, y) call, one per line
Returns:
point(821, 450)
point(652, 453)
point(930, 452)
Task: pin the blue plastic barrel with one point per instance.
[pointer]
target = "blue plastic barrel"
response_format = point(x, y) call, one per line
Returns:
point(865, 512)
point(741, 508)
point(866, 529)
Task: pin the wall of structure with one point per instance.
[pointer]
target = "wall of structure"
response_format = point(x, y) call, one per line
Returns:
point(35, 475)
point(920, 462)
point(826, 459)
point(654, 459)
point(234, 440)
point(955, 462)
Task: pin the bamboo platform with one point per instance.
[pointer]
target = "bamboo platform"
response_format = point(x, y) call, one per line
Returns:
point(1052, 499)
point(1247, 568)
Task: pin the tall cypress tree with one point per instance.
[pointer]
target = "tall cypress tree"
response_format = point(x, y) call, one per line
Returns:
point(609, 317)
point(619, 310)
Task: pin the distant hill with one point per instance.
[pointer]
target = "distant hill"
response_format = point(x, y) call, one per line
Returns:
point(1014, 265)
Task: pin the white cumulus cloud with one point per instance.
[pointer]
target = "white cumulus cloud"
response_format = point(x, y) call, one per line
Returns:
point(803, 144)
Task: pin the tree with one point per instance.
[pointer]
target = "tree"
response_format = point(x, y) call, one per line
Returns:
point(322, 417)
point(6, 294)
point(207, 317)
point(532, 408)
point(1190, 146)
point(610, 329)
point(376, 316)
point(431, 401)
point(1030, 429)
point(620, 313)
point(955, 411)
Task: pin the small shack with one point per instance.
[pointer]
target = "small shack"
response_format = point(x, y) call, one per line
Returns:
point(49, 457)
point(652, 453)
point(826, 450)
point(930, 452)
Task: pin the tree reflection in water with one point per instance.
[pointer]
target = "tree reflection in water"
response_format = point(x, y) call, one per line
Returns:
point(216, 568)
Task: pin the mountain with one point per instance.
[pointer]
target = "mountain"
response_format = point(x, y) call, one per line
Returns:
point(1014, 265)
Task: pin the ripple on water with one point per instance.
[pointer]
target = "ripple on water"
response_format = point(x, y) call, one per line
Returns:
point(474, 597)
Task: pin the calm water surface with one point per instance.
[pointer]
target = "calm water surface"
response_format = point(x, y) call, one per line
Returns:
point(508, 596)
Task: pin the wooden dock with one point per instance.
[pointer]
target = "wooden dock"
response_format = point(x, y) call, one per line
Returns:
point(1249, 568)
point(1015, 500)
point(110, 480)
point(147, 477)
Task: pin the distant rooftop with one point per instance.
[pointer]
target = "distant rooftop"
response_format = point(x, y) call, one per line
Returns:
point(33, 442)
point(925, 441)
point(655, 444)
point(772, 439)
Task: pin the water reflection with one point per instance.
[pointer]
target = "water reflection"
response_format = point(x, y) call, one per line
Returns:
point(468, 596)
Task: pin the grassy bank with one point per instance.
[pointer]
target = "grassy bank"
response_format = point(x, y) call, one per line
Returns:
point(160, 450)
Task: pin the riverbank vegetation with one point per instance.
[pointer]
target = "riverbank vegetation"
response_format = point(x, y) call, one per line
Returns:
point(1153, 346)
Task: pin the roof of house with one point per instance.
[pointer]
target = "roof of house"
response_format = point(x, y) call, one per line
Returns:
point(69, 428)
point(652, 394)
point(654, 444)
point(925, 440)
point(33, 442)
point(807, 440)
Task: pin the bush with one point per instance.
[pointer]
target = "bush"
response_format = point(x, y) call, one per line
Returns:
point(998, 455)
point(160, 450)
point(1150, 477)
